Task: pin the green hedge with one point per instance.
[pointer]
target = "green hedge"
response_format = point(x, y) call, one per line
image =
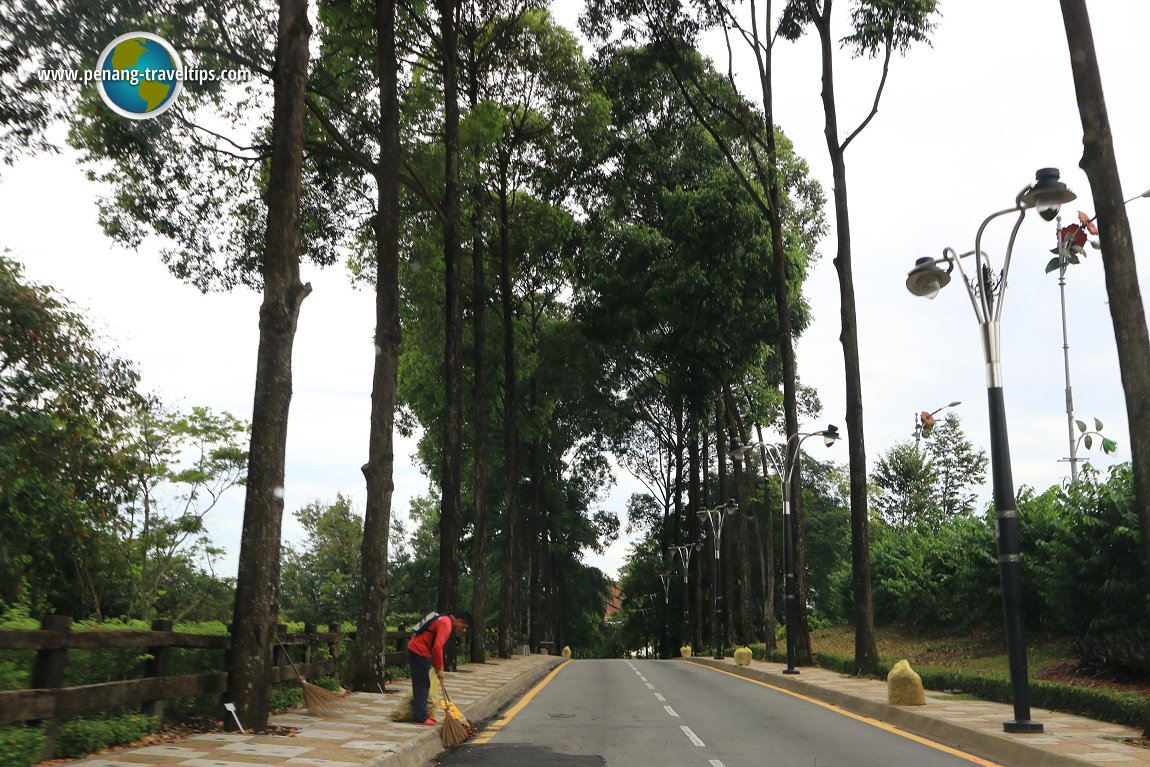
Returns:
point(1106, 705)
point(20, 746)
point(86, 735)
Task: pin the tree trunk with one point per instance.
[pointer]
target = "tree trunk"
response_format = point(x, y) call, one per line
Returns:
point(1127, 311)
point(371, 629)
point(510, 421)
point(257, 587)
point(451, 518)
point(539, 520)
point(866, 650)
point(482, 462)
point(782, 290)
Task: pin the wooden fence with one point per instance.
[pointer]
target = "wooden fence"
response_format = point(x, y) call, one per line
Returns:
point(49, 701)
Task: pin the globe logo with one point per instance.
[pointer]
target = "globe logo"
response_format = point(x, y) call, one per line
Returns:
point(139, 75)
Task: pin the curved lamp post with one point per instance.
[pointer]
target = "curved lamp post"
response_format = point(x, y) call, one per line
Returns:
point(784, 458)
point(987, 291)
point(922, 425)
point(714, 518)
point(683, 552)
point(1064, 261)
point(665, 577)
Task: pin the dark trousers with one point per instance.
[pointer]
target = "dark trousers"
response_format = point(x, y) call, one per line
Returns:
point(420, 684)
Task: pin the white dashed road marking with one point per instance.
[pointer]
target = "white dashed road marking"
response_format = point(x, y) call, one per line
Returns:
point(694, 738)
point(671, 711)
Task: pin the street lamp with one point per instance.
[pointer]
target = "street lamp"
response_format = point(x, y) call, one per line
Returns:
point(924, 421)
point(784, 458)
point(683, 552)
point(987, 291)
point(665, 577)
point(1063, 261)
point(714, 518)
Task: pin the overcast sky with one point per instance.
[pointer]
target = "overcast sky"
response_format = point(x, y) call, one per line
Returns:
point(962, 127)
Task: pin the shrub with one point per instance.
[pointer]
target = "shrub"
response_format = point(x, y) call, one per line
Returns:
point(930, 578)
point(285, 696)
point(1081, 554)
point(20, 746)
point(85, 735)
point(1122, 655)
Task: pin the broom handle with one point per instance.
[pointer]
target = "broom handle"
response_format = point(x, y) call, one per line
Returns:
point(288, 656)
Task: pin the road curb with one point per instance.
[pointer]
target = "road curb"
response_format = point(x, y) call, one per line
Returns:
point(999, 748)
point(418, 751)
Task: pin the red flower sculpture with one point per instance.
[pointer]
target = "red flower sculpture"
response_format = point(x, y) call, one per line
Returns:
point(1074, 237)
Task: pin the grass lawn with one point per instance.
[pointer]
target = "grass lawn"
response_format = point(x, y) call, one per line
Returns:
point(981, 651)
point(975, 663)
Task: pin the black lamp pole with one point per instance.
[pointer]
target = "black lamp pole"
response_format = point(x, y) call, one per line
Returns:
point(986, 290)
point(683, 551)
point(715, 519)
point(666, 640)
point(784, 458)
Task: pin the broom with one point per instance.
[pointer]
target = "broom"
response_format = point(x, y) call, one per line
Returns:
point(456, 728)
point(319, 702)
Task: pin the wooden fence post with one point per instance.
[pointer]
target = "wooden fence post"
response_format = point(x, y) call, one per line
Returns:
point(278, 650)
point(311, 652)
point(335, 648)
point(48, 674)
point(157, 666)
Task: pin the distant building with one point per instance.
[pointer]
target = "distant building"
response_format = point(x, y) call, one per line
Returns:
point(614, 602)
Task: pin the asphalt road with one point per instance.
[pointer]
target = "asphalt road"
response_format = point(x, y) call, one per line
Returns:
point(620, 713)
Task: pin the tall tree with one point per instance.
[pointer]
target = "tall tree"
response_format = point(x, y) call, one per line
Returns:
point(1127, 310)
point(65, 463)
point(758, 165)
point(257, 589)
point(321, 579)
point(479, 299)
point(880, 26)
point(904, 479)
point(370, 671)
point(451, 518)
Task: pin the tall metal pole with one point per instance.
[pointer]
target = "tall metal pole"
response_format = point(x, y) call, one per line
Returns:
point(1009, 545)
point(789, 595)
point(666, 639)
point(1063, 263)
point(715, 518)
point(784, 462)
point(717, 574)
point(683, 551)
point(986, 291)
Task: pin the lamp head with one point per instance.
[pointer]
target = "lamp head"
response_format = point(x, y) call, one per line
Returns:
point(730, 506)
point(738, 450)
point(1047, 194)
point(831, 435)
point(926, 278)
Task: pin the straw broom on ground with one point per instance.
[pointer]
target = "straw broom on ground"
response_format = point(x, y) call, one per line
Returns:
point(319, 702)
point(456, 728)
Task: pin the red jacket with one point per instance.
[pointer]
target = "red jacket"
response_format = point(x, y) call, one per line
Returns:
point(430, 643)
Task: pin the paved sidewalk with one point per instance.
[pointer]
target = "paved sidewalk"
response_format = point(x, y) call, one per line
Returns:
point(971, 726)
point(364, 738)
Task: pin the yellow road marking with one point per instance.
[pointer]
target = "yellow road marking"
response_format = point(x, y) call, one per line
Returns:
point(865, 719)
point(491, 730)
